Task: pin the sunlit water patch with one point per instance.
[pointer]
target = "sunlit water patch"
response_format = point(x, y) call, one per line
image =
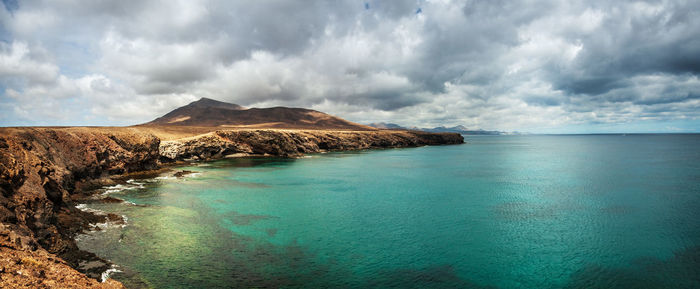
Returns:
point(507, 212)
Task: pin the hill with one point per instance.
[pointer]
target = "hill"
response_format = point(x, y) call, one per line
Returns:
point(212, 113)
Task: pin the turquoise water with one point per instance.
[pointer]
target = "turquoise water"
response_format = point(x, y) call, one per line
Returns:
point(594, 211)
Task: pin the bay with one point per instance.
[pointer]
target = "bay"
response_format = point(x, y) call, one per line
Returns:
point(568, 211)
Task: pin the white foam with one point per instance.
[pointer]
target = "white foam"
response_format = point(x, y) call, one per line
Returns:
point(133, 182)
point(109, 224)
point(104, 225)
point(115, 189)
point(84, 208)
point(105, 274)
point(131, 185)
point(166, 178)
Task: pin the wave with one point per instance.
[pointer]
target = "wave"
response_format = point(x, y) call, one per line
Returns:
point(166, 178)
point(105, 275)
point(85, 208)
point(103, 225)
point(131, 185)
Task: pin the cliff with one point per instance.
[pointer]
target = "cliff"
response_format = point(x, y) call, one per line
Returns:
point(41, 170)
point(44, 170)
point(292, 143)
point(21, 267)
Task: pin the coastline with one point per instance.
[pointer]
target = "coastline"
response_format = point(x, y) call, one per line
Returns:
point(45, 171)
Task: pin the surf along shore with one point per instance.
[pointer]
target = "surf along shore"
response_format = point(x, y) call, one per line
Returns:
point(46, 171)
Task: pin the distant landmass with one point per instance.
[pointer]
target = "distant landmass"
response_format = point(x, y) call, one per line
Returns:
point(212, 113)
point(457, 129)
point(384, 125)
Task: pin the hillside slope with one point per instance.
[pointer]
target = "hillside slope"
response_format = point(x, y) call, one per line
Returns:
point(211, 113)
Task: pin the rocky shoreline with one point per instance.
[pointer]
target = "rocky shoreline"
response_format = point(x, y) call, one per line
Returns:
point(45, 171)
point(292, 143)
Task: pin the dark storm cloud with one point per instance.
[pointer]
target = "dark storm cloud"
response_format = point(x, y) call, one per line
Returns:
point(10, 5)
point(385, 100)
point(635, 42)
point(501, 64)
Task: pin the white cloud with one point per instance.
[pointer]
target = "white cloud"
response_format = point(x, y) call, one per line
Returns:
point(488, 64)
point(16, 62)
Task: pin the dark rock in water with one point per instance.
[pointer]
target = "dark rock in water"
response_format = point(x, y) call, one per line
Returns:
point(181, 174)
point(110, 200)
point(117, 219)
point(93, 268)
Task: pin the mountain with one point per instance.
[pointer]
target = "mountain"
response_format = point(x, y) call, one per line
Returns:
point(463, 130)
point(384, 125)
point(458, 129)
point(212, 113)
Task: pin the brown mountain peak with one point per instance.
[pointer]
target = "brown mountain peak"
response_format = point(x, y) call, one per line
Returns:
point(208, 102)
point(213, 113)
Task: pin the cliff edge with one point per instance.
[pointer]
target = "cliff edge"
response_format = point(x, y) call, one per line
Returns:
point(41, 171)
point(293, 143)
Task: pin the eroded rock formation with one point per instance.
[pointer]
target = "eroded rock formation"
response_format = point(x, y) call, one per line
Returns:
point(40, 171)
point(292, 143)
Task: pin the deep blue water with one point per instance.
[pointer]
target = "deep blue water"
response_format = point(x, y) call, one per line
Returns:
point(588, 211)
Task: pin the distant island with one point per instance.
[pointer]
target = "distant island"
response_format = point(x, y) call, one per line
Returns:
point(44, 171)
point(460, 129)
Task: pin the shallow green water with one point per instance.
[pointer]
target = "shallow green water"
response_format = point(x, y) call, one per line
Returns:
point(507, 211)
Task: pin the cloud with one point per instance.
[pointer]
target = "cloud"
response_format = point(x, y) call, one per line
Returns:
point(515, 65)
point(19, 64)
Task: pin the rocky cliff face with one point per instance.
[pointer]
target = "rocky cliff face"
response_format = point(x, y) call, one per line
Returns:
point(292, 143)
point(26, 268)
point(43, 170)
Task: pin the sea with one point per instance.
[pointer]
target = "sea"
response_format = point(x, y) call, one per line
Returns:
point(531, 211)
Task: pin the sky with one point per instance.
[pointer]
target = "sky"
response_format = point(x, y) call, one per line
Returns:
point(536, 66)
